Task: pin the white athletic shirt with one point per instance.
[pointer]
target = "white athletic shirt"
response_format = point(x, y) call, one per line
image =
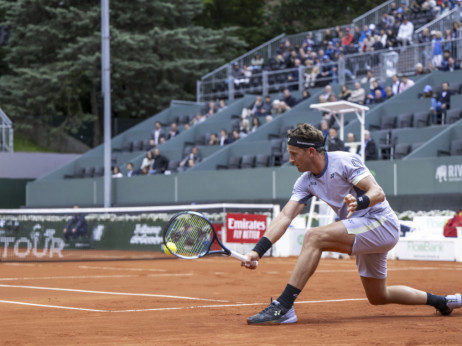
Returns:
point(342, 172)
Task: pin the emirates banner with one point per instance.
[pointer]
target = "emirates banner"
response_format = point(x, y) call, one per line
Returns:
point(245, 228)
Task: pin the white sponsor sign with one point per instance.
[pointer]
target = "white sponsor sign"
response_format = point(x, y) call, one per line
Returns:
point(448, 173)
point(146, 235)
point(426, 250)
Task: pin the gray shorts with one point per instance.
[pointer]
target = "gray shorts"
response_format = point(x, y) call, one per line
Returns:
point(375, 236)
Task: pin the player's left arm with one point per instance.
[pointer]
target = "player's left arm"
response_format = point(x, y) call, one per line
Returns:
point(373, 190)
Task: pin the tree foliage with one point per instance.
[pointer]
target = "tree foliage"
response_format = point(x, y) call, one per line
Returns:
point(157, 54)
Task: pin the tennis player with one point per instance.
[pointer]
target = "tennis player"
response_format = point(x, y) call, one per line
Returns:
point(367, 228)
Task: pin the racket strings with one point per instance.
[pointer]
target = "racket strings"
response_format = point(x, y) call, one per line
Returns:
point(191, 234)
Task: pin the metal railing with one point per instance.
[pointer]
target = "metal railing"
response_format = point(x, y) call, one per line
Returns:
point(6, 133)
point(441, 23)
point(399, 60)
point(266, 82)
point(374, 16)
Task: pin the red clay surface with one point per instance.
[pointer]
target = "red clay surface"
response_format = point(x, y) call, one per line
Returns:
point(157, 303)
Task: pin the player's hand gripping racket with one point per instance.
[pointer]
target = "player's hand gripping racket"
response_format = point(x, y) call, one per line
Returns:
point(190, 235)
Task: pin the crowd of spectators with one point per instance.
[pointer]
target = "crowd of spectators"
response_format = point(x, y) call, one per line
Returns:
point(395, 29)
point(320, 57)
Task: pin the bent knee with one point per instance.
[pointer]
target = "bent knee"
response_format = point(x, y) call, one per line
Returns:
point(378, 300)
point(312, 237)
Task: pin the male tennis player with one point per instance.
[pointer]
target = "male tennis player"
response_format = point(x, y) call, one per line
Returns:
point(368, 228)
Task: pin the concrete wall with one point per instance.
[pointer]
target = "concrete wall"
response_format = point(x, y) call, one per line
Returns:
point(423, 177)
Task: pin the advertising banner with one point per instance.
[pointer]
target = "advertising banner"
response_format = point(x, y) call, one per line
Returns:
point(245, 228)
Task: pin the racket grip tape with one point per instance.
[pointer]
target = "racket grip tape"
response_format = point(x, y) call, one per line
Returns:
point(242, 258)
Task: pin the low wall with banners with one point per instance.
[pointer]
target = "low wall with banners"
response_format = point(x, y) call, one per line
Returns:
point(41, 237)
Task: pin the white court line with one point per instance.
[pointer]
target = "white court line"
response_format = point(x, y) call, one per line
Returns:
point(240, 305)
point(50, 306)
point(122, 268)
point(110, 293)
point(90, 277)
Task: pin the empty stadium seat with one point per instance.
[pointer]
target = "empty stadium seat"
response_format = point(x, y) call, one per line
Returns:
point(455, 149)
point(453, 115)
point(421, 119)
point(248, 161)
point(234, 162)
point(405, 120)
point(262, 160)
point(401, 150)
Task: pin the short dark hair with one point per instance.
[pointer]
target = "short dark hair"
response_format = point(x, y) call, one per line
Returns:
point(308, 132)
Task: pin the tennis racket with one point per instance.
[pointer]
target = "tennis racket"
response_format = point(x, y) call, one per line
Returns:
point(190, 235)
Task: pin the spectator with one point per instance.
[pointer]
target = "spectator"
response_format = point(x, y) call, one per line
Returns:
point(374, 96)
point(238, 75)
point(244, 129)
point(235, 135)
point(279, 107)
point(267, 106)
point(192, 156)
point(369, 79)
point(395, 84)
point(345, 93)
point(305, 96)
point(378, 96)
point(224, 138)
point(406, 83)
point(371, 149)
point(116, 173)
point(256, 63)
point(268, 119)
point(440, 103)
point(368, 43)
point(160, 163)
point(405, 32)
point(289, 99)
point(351, 145)
point(427, 92)
point(221, 104)
point(383, 37)
point(451, 65)
point(210, 105)
point(356, 35)
point(420, 69)
point(130, 171)
point(324, 127)
point(254, 109)
point(173, 131)
point(327, 92)
point(358, 95)
point(388, 92)
point(157, 132)
point(213, 139)
point(76, 226)
point(347, 39)
point(377, 45)
point(293, 76)
point(437, 43)
point(310, 74)
point(147, 161)
point(335, 143)
point(392, 41)
point(255, 124)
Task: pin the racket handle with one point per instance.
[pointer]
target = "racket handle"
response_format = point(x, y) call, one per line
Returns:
point(242, 258)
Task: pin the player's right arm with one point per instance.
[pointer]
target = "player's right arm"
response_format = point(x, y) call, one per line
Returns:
point(282, 221)
point(277, 228)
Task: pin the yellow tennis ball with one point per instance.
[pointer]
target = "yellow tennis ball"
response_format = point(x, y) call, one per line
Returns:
point(169, 246)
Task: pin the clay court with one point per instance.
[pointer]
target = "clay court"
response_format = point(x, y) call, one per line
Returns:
point(207, 301)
